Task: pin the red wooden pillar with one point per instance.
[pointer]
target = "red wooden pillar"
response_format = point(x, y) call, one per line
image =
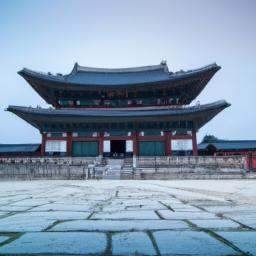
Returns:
point(42, 153)
point(167, 143)
point(69, 143)
point(135, 143)
point(101, 138)
point(194, 143)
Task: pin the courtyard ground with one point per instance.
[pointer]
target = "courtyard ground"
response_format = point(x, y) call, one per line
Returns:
point(113, 217)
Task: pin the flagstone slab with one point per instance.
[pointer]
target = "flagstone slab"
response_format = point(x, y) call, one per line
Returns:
point(22, 224)
point(190, 243)
point(216, 224)
point(36, 221)
point(247, 219)
point(53, 243)
point(168, 214)
point(131, 204)
point(55, 215)
point(63, 207)
point(132, 243)
point(119, 225)
point(3, 238)
point(3, 213)
point(248, 222)
point(14, 208)
point(31, 202)
point(246, 241)
point(126, 215)
point(182, 207)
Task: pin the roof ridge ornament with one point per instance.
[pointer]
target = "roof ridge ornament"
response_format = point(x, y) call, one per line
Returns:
point(75, 68)
point(164, 62)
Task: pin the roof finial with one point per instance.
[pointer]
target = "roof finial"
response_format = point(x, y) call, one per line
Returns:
point(163, 62)
point(74, 70)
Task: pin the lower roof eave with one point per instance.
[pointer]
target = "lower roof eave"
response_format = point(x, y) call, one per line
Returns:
point(200, 115)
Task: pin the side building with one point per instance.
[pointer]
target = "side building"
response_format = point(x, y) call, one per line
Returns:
point(19, 150)
point(219, 147)
point(142, 111)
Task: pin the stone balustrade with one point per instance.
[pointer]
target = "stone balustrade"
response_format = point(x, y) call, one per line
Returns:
point(88, 167)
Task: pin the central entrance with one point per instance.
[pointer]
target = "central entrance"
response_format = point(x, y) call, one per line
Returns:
point(117, 148)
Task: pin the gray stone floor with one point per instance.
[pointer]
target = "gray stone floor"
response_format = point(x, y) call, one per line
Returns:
point(211, 217)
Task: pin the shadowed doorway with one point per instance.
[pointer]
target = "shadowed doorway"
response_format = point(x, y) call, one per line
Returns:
point(117, 148)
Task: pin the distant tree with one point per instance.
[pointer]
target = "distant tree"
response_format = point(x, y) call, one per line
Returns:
point(209, 138)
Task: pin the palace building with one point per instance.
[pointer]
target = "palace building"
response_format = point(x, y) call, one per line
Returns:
point(141, 111)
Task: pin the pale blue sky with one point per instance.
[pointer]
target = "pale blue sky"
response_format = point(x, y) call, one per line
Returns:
point(51, 35)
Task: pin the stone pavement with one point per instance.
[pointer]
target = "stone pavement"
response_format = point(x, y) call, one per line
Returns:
point(113, 217)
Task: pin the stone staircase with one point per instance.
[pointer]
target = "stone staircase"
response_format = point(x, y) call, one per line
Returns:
point(127, 170)
point(113, 170)
point(127, 173)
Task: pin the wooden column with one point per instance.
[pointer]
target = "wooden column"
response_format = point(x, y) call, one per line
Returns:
point(194, 143)
point(42, 153)
point(135, 144)
point(101, 138)
point(69, 143)
point(167, 143)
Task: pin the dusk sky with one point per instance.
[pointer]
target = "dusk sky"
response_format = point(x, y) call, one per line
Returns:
point(52, 35)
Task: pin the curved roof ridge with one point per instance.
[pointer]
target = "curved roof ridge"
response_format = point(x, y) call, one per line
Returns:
point(79, 68)
point(190, 71)
point(228, 141)
point(41, 74)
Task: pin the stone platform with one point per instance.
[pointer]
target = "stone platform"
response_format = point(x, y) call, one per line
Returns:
point(211, 217)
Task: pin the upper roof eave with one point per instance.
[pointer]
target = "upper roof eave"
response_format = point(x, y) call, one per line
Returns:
point(63, 79)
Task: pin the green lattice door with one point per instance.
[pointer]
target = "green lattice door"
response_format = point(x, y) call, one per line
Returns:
point(151, 148)
point(85, 148)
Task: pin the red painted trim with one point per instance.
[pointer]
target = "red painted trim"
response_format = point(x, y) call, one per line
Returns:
point(167, 143)
point(69, 144)
point(56, 138)
point(118, 138)
point(181, 137)
point(142, 138)
point(85, 138)
point(135, 144)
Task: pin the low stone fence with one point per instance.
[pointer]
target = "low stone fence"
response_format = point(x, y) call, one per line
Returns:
point(132, 168)
point(208, 162)
point(48, 168)
point(189, 167)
